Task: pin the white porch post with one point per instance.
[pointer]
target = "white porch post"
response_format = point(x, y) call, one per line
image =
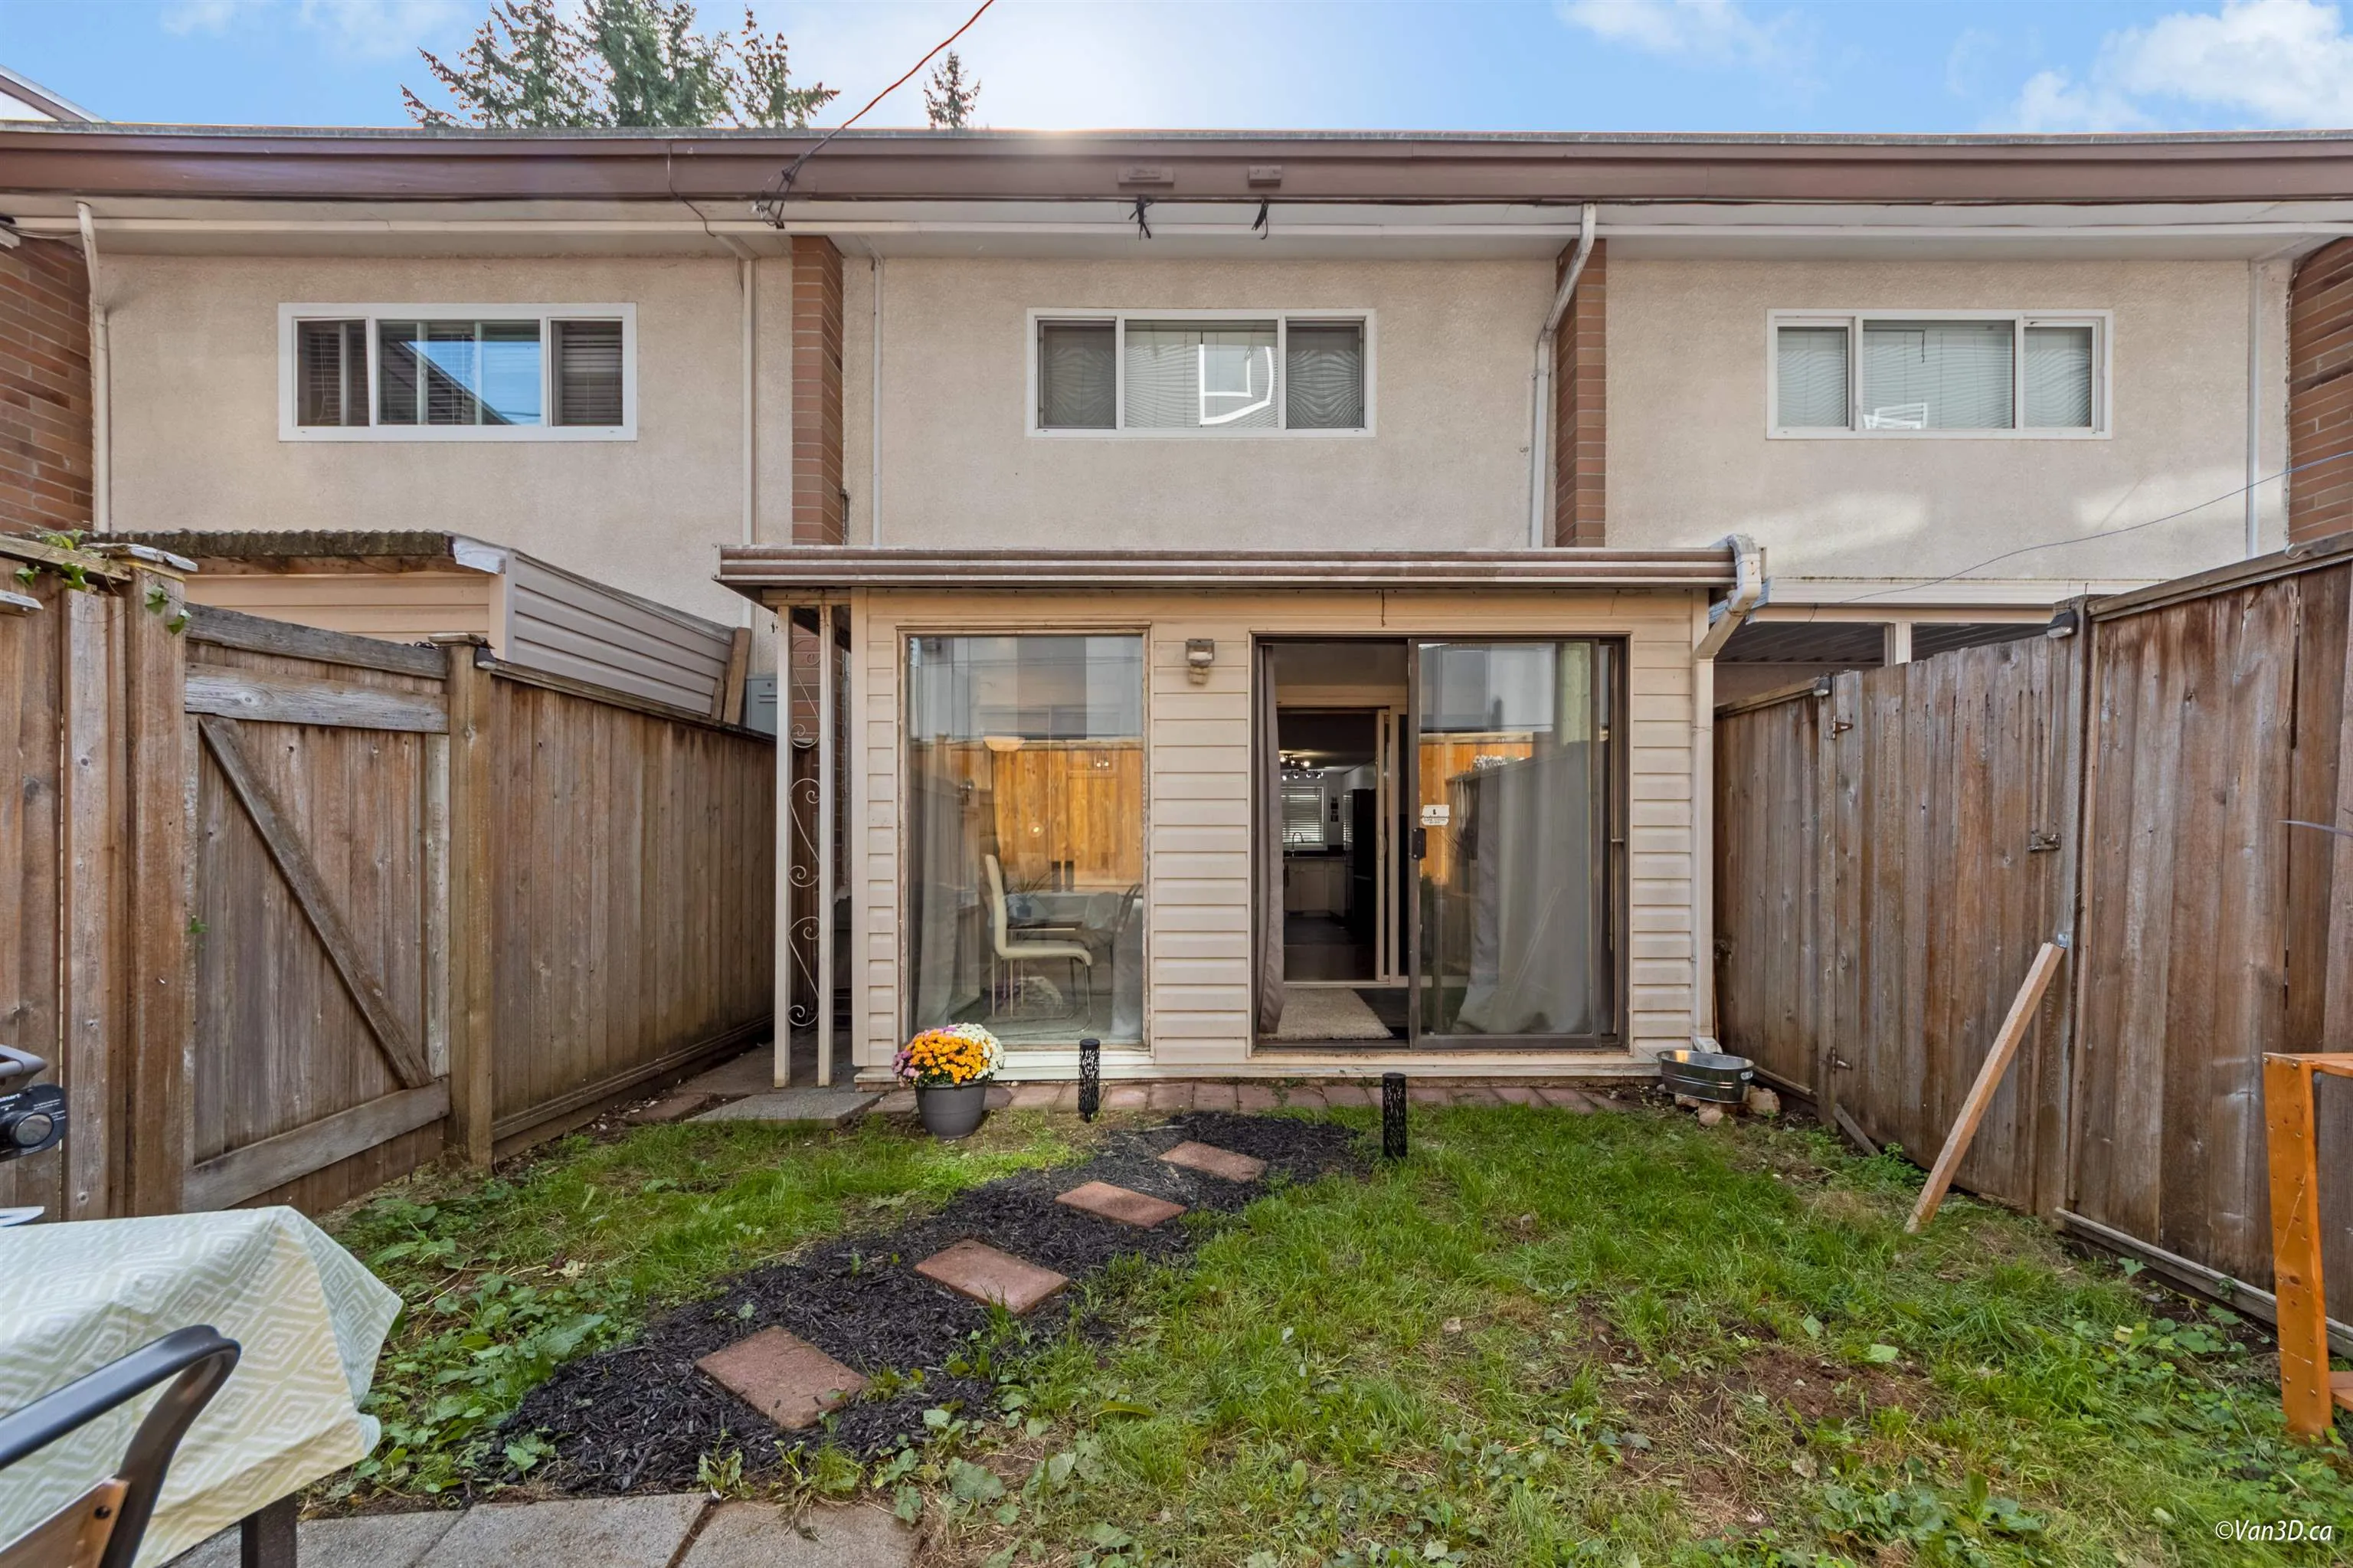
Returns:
point(828, 760)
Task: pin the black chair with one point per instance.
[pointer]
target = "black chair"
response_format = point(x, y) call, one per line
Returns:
point(104, 1526)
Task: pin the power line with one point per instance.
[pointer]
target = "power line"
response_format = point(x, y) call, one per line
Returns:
point(2091, 538)
point(784, 186)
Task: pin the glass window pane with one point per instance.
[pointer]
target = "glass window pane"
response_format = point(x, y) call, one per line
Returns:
point(330, 372)
point(1937, 375)
point(460, 373)
point(1200, 375)
point(1025, 812)
point(1077, 376)
point(2059, 377)
point(1810, 364)
point(588, 373)
point(1512, 756)
point(399, 368)
point(1324, 375)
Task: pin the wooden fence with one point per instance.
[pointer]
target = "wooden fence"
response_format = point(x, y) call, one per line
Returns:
point(299, 911)
point(1892, 845)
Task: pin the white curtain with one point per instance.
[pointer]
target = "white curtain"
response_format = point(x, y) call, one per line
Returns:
point(1529, 841)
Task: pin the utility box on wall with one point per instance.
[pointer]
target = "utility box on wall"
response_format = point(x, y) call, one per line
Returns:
point(760, 704)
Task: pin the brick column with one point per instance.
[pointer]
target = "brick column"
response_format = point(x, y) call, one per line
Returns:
point(1580, 427)
point(2320, 394)
point(820, 513)
point(45, 392)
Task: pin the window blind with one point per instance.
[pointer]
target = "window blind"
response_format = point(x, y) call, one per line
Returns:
point(1324, 375)
point(1810, 393)
point(1937, 375)
point(587, 373)
point(1216, 376)
point(331, 371)
point(2059, 377)
point(1077, 376)
point(1303, 817)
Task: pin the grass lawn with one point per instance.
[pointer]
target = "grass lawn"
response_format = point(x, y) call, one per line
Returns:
point(1617, 1340)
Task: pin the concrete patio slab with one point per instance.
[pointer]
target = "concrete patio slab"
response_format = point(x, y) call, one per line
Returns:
point(898, 1102)
point(1565, 1100)
point(371, 1540)
point(761, 1535)
point(997, 1279)
point(608, 1532)
point(1214, 1161)
point(669, 1108)
point(782, 1376)
point(1121, 1204)
point(1516, 1094)
point(1477, 1094)
point(826, 1107)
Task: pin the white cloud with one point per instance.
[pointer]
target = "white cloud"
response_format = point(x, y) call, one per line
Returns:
point(2252, 62)
point(1717, 31)
point(374, 28)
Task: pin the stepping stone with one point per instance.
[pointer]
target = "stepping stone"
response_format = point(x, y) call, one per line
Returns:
point(607, 1532)
point(1127, 1096)
point(669, 1108)
point(1356, 1095)
point(1516, 1094)
point(369, 1540)
point(1066, 1098)
point(992, 1278)
point(997, 1097)
point(1212, 1160)
point(1476, 1094)
point(785, 1379)
point(1250, 1098)
point(761, 1535)
point(1429, 1094)
point(1214, 1097)
point(825, 1107)
point(898, 1102)
point(1172, 1097)
point(1304, 1097)
point(1129, 1208)
point(1036, 1096)
point(1563, 1098)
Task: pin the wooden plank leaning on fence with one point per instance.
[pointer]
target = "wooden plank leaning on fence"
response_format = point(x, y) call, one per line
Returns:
point(2308, 1390)
point(1989, 1075)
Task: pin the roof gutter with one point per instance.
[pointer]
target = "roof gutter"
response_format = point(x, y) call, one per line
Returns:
point(1725, 615)
point(101, 412)
point(1540, 409)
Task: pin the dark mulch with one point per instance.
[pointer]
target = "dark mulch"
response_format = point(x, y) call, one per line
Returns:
point(640, 1415)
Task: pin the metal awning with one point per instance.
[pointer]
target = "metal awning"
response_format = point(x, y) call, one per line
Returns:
point(770, 572)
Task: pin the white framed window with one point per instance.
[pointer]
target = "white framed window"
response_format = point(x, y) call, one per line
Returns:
point(456, 373)
point(2017, 375)
point(1200, 372)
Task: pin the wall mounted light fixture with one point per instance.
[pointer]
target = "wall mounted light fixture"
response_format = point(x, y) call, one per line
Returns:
point(1200, 653)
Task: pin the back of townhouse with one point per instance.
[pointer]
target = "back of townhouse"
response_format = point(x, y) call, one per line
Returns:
point(1943, 383)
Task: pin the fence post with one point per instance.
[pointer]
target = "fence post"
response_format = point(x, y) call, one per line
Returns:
point(472, 963)
point(2070, 673)
point(157, 818)
point(90, 826)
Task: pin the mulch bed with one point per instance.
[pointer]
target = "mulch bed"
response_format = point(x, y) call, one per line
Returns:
point(638, 1417)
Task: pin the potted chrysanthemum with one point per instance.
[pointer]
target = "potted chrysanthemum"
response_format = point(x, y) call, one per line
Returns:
point(950, 1069)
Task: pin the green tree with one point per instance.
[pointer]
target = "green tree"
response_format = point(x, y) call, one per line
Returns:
point(764, 93)
point(949, 98)
point(658, 71)
point(527, 69)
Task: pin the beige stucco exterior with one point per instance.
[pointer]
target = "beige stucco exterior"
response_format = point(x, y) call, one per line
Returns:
point(194, 397)
point(1690, 462)
point(1446, 468)
point(1198, 1001)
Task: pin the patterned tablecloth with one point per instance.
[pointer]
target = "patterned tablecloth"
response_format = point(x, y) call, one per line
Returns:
point(310, 1318)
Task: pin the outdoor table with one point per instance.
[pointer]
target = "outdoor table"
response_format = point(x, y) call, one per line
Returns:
point(310, 1318)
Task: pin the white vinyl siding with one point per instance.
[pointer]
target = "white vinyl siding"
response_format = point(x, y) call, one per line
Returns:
point(1200, 372)
point(500, 373)
point(1971, 373)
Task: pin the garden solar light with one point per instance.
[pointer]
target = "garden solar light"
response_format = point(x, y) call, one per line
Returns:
point(1393, 1116)
point(1089, 1078)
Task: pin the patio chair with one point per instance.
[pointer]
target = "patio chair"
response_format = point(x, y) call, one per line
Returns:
point(1011, 951)
point(104, 1526)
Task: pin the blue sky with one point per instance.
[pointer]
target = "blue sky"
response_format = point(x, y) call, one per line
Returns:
point(1598, 65)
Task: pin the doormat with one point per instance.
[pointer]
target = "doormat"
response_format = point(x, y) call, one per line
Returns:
point(639, 1416)
point(1327, 1013)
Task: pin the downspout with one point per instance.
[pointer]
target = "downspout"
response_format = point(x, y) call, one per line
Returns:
point(874, 411)
point(747, 285)
point(1540, 407)
point(2254, 405)
point(1722, 620)
point(101, 421)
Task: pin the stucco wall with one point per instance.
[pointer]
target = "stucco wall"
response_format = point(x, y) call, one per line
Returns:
point(1690, 462)
point(194, 389)
point(1447, 468)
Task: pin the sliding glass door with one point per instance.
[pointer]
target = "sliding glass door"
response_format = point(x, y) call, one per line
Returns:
point(1515, 842)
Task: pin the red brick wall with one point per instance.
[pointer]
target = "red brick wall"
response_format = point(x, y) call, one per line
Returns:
point(45, 430)
point(2320, 394)
point(1581, 407)
point(821, 512)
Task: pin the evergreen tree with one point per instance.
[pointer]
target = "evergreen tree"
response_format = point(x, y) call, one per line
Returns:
point(658, 72)
point(764, 93)
point(526, 69)
point(949, 99)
